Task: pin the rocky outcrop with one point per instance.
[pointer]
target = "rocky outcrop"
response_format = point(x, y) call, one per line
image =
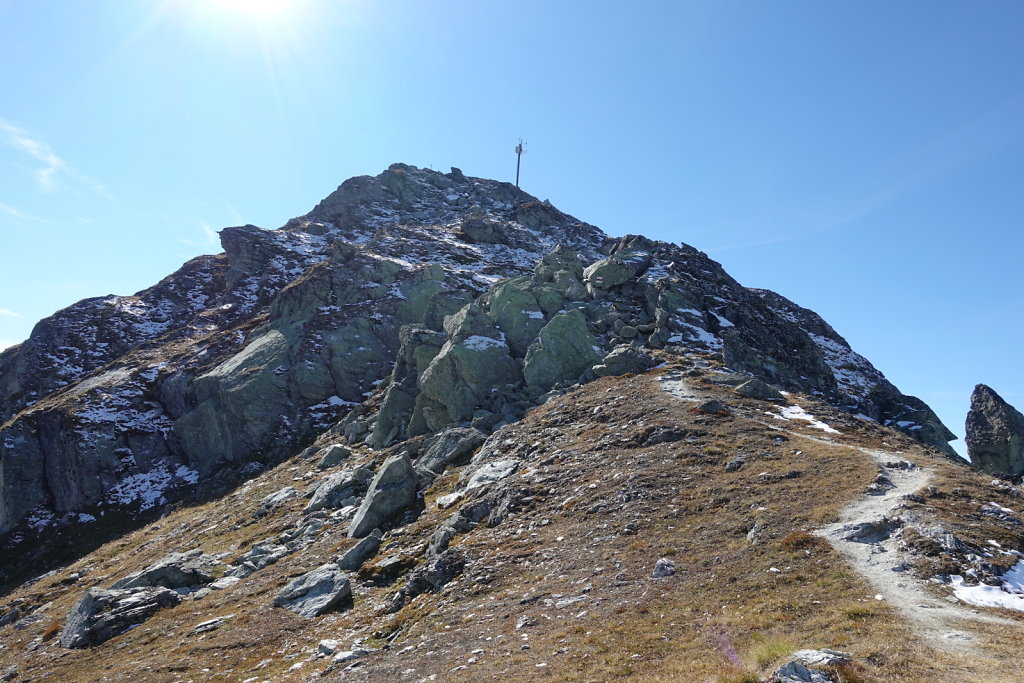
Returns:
point(995, 434)
point(177, 570)
point(102, 614)
point(448, 300)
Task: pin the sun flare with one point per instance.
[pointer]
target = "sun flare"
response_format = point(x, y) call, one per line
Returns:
point(256, 9)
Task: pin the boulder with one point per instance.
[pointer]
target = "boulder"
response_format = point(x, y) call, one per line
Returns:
point(338, 489)
point(275, 500)
point(446, 448)
point(176, 570)
point(795, 672)
point(333, 455)
point(995, 434)
point(259, 556)
point(353, 558)
point(391, 491)
point(755, 388)
point(622, 360)
point(565, 349)
point(102, 614)
point(321, 590)
point(663, 567)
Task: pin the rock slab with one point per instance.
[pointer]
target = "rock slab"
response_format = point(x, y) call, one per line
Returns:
point(102, 614)
point(322, 590)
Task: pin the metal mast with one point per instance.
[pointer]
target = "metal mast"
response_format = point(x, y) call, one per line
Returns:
point(519, 157)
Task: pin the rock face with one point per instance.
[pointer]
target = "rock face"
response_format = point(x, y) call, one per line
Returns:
point(995, 434)
point(465, 301)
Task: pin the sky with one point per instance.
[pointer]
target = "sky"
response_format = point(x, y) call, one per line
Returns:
point(864, 159)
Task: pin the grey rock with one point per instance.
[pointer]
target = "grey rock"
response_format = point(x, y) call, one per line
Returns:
point(490, 472)
point(871, 532)
point(211, 624)
point(321, 590)
point(275, 500)
point(445, 448)
point(995, 434)
point(333, 455)
point(663, 567)
point(338, 489)
point(755, 388)
point(259, 556)
point(354, 558)
point(102, 614)
point(176, 570)
point(391, 491)
point(795, 672)
point(623, 360)
point(736, 463)
point(564, 349)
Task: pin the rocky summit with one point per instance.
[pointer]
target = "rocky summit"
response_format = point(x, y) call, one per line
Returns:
point(435, 428)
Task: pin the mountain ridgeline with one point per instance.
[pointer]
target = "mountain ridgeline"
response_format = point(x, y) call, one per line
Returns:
point(399, 306)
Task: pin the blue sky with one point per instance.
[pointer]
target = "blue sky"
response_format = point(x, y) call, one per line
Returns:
point(864, 159)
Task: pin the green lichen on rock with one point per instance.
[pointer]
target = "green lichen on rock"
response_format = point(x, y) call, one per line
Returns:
point(564, 350)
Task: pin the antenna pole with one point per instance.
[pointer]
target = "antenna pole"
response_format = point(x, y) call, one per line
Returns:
point(519, 157)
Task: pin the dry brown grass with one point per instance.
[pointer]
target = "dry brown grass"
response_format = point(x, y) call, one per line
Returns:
point(724, 615)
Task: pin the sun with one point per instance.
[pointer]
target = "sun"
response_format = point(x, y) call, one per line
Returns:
point(261, 10)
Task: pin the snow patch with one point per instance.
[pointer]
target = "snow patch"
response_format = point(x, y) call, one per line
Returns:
point(798, 413)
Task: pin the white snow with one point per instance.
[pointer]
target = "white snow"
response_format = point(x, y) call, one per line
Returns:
point(148, 488)
point(479, 343)
point(1009, 595)
point(798, 413)
point(724, 322)
point(537, 315)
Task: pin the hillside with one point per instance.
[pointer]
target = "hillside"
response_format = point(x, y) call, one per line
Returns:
point(438, 428)
point(553, 579)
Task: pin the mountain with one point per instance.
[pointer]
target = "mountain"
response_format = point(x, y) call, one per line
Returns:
point(434, 401)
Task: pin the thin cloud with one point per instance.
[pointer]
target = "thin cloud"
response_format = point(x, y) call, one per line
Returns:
point(9, 314)
point(212, 239)
point(53, 167)
point(235, 216)
point(11, 211)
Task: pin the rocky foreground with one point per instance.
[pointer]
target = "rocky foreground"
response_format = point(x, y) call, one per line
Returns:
point(666, 525)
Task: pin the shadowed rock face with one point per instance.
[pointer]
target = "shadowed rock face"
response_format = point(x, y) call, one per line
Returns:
point(995, 434)
point(464, 300)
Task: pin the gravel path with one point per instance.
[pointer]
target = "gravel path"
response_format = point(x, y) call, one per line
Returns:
point(863, 535)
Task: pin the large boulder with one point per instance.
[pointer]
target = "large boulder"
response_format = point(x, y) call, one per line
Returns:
point(322, 590)
point(102, 614)
point(995, 434)
point(564, 350)
point(391, 491)
point(176, 570)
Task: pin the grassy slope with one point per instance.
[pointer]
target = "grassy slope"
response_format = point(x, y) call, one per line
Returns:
point(723, 616)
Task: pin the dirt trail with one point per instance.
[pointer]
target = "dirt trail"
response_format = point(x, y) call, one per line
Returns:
point(863, 535)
